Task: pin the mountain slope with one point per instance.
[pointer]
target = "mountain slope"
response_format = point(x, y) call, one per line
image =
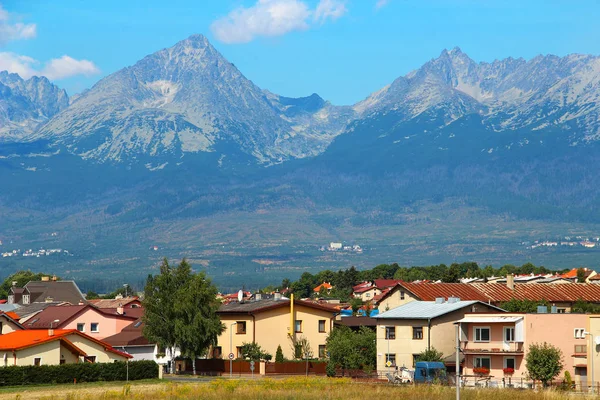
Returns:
point(26, 104)
point(181, 100)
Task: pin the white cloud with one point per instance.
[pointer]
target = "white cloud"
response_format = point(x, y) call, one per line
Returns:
point(14, 30)
point(269, 18)
point(381, 3)
point(55, 69)
point(333, 9)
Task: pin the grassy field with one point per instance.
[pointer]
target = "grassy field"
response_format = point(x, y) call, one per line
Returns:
point(290, 388)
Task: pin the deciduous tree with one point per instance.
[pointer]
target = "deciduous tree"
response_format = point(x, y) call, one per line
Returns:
point(544, 362)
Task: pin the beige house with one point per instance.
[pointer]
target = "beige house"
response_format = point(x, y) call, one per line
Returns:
point(274, 322)
point(54, 347)
point(405, 331)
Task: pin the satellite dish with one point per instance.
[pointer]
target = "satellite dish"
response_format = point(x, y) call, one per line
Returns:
point(597, 340)
point(240, 295)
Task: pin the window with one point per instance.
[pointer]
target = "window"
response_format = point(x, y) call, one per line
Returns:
point(62, 361)
point(402, 295)
point(241, 327)
point(37, 361)
point(482, 334)
point(11, 299)
point(509, 334)
point(509, 362)
point(479, 362)
point(391, 358)
point(25, 299)
point(561, 310)
point(581, 348)
point(390, 332)
point(298, 326)
point(217, 352)
point(81, 327)
point(94, 327)
point(368, 295)
point(322, 353)
point(90, 359)
point(239, 351)
point(322, 325)
point(417, 332)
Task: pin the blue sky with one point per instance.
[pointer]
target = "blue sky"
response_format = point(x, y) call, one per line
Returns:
point(343, 50)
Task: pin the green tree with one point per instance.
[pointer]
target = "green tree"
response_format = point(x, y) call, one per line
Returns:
point(580, 275)
point(351, 350)
point(197, 325)
point(279, 355)
point(252, 351)
point(356, 303)
point(523, 306)
point(91, 295)
point(544, 362)
point(180, 310)
point(432, 354)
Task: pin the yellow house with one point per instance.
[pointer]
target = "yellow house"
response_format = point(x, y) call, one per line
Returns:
point(406, 331)
point(274, 322)
point(54, 347)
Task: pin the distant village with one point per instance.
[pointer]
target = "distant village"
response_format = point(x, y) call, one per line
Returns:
point(569, 241)
point(338, 246)
point(35, 253)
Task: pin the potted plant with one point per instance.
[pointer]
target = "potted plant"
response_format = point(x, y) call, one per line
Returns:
point(481, 370)
point(508, 371)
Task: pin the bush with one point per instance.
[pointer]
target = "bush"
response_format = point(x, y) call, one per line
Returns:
point(279, 355)
point(81, 372)
point(330, 369)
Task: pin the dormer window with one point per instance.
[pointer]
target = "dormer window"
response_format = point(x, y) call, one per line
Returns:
point(11, 299)
point(25, 299)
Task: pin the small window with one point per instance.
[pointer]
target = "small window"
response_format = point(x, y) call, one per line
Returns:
point(402, 295)
point(322, 326)
point(368, 295)
point(137, 324)
point(390, 332)
point(11, 299)
point(509, 334)
point(239, 351)
point(25, 299)
point(581, 348)
point(391, 358)
point(217, 352)
point(322, 351)
point(94, 327)
point(90, 359)
point(482, 334)
point(509, 362)
point(561, 310)
point(81, 327)
point(241, 327)
point(417, 332)
point(298, 326)
point(37, 361)
point(479, 362)
point(62, 361)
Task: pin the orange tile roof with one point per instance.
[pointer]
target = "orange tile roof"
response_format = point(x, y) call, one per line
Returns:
point(573, 273)
point(325, 285)
point(13, 315)
point(18, 340)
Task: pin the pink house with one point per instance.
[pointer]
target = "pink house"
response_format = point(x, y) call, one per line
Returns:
point(95, 322)
point(499, 342)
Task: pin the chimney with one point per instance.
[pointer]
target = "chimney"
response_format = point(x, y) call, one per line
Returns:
point(439, 300)
point(49, 299)
point(277, 296)
point(258, 296)
point(510, 281)
point(120, 310)
point(45, 278)
point(54, 278)
point(14, 283)
point(80, 303)
point(50, 332)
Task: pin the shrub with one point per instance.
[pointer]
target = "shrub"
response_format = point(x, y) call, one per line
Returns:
point(279, 355)
point(81, 372)
point(330, 369)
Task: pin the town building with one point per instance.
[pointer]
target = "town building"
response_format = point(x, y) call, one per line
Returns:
point(499, 342)
point(54, 347)
point(46, 290)
point(275, 322)
point(407, 330)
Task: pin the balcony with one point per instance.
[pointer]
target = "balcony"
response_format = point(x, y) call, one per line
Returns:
point(476, 348)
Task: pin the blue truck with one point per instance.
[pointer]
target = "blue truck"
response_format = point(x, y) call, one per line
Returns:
point(430, 372)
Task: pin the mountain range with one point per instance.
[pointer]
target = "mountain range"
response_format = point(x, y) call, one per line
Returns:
point(183, 134)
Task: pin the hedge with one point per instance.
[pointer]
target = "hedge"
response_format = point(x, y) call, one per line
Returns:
point(81, 372)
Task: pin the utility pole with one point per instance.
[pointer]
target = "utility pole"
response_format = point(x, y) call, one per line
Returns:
point(457, 327)
point(231, 349)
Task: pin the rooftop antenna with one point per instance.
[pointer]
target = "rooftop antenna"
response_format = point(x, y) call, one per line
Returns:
point(240, 296)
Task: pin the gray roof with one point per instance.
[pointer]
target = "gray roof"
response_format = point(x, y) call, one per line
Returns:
point(57, 290)
point(8, 307)
point(427, 309)
point(33, 308)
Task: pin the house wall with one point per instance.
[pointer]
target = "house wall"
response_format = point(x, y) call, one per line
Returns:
point(593, 350)
point(49, 353)
point(94, 349)
point(139, 352)
point(272, 328)
point(369, 294)
point(395, 299)
point(8, 326)
point(107, 325)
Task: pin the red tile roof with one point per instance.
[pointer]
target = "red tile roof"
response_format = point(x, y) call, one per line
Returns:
point(430, 291)
point(65, 314)
point(386, 283)
point(18, 340)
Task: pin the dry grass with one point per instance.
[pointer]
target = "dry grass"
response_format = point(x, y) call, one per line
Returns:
point(291, 388)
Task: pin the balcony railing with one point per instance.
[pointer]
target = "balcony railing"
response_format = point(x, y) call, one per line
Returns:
point(492, 347)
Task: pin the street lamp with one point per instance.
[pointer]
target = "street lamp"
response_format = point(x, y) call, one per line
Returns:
point(387, 337)
point(591, 356)
point(231, 349)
